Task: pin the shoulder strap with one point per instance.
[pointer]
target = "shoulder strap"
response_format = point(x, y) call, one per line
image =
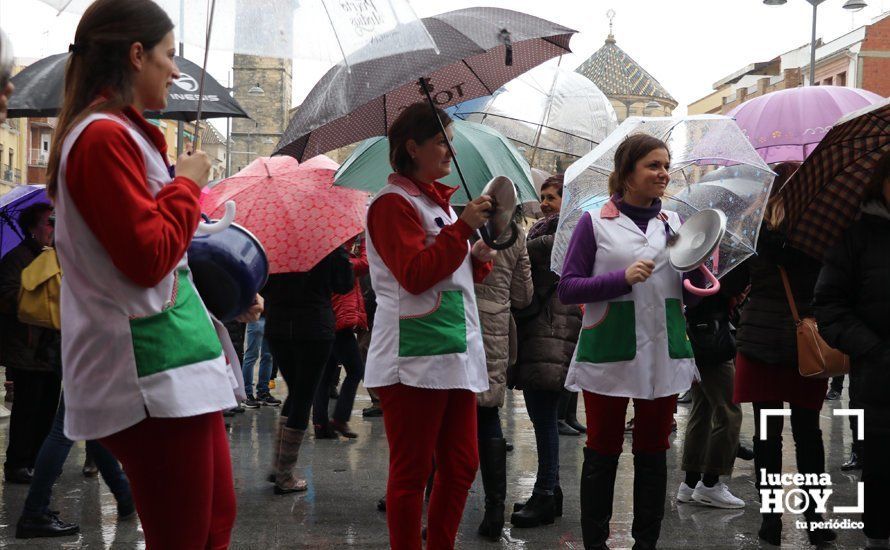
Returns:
point(788, 294)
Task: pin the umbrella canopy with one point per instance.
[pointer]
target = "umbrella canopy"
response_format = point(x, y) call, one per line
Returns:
point(39, 90)
point(11, 206)
point(698, 145)
point(787, 125)
point(483, 153)
point(293, 209)
point(353, 103)
point(550, 112)
point(825, 195)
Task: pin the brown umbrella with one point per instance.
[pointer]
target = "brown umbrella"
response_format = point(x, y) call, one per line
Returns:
point(825, 195)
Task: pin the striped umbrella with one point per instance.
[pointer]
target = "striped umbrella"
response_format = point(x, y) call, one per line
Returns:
point(825, 195)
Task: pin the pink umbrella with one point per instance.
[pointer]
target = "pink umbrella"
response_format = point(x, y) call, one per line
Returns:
point(292, 208)
point(788, 124)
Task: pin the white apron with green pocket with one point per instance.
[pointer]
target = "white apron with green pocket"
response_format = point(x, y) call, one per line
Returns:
point(634, 345)
point(432, 340)
point(129, 352)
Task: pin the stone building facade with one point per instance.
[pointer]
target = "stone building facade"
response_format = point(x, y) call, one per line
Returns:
point(263, 88)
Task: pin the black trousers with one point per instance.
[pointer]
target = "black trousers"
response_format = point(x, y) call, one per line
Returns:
point(34, 405)
point(301, 364)
point(345, 352)
point(876, 476)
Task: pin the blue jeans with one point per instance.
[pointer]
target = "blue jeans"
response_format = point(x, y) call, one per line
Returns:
point(543, 407)
point(257, 346)
point(51, 459)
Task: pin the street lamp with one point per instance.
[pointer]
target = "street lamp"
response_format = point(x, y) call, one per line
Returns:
point(853, 5)
point(256, 90)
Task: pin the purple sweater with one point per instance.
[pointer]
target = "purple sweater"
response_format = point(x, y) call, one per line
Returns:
point(576, 286)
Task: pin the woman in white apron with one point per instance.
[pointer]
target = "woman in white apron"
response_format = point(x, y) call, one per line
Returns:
point(143, 366)
point(426, 358)
point(633, 342)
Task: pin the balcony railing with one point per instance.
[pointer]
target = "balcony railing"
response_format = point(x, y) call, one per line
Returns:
point(38, 157)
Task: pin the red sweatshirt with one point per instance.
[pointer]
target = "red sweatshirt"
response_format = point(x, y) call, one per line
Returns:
point(396, 231)
point(145, 235)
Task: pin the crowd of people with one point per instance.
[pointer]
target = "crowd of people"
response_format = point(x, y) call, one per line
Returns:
point(438, 325)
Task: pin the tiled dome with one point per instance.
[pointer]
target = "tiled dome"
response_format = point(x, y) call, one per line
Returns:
point(620, 77)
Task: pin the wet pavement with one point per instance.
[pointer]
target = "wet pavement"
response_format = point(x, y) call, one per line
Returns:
point(347, 477)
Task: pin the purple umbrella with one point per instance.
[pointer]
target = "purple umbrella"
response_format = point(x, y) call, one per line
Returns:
point(11, 206)
point(788, 124)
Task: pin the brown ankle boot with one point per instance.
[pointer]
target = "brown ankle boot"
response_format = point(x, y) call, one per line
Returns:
point(276, 449)
point(288, 454)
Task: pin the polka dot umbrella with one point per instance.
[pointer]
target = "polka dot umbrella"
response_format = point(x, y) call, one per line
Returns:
point(293, 209)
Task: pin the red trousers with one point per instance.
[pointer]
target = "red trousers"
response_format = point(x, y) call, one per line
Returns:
point(605, 423)
point(180, 473)
point(423, 424)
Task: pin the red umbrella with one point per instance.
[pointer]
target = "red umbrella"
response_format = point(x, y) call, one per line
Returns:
point(293, 209)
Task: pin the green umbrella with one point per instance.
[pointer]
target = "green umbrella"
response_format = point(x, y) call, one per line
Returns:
point(483, 153)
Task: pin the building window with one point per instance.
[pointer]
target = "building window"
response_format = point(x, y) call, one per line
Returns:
point(841, 79)
point(828, 81)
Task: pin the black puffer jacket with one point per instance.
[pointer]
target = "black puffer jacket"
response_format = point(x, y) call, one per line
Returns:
point(23, 346)
point(547, 340)
point(766, 330)
point(852, 303)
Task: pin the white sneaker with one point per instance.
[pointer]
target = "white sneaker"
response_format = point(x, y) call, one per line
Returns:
point(684, 493)
point(717, 496)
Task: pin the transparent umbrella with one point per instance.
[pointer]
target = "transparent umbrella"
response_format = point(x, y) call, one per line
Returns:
point(551, 113)
point(713, 165)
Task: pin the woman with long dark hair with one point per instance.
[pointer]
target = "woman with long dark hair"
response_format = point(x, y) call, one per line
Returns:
point(143, 367)
point(633, 343)
point(426, 358)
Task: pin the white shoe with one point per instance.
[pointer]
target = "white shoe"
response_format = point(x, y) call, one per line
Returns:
point(684, 493)
point(717, 496)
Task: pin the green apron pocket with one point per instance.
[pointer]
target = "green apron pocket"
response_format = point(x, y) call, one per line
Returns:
point(442, 331)
point(613, 338)
point(679, 346)
point(179, 336)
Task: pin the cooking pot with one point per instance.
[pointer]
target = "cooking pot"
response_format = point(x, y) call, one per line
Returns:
point(500, 229)
point(229, 266)
point(6, 60)
point(694, 243)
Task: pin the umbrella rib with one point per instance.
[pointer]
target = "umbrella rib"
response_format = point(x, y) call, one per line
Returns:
point(467, 65)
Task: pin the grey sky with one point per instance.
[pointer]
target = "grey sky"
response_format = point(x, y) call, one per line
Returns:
point(686, 44)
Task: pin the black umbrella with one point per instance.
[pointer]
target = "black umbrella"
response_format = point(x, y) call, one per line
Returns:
point(480, 49)
point(38, 92)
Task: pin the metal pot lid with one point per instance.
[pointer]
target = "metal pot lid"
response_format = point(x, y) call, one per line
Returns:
point(697, 239)
point(504, 199)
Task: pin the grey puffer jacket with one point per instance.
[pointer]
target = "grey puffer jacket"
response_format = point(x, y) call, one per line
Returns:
point(509, 285)
point(547, 339)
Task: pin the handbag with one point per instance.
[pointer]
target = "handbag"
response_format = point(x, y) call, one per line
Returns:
point(815, 358)
point(41, 290)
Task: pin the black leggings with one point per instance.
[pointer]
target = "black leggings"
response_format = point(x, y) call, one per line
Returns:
point(301, 363)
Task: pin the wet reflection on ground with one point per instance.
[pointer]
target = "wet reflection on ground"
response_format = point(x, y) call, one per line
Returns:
point(347, 477)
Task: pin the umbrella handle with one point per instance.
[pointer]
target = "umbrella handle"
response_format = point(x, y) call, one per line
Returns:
point(209, 228)
point(710, 291)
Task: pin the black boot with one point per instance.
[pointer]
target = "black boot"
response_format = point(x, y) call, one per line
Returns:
point(539, 510)
point(810, 453)
point(768, 456)
point(572, 414)
point(493, 465)
point(650, 487)
point(557, 502)
point(597, 494)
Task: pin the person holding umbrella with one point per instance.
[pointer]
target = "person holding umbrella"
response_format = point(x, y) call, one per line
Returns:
point(767, 373)
point(426, 358)
point(144, 370)
point(851, 302)
point(633, 342)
